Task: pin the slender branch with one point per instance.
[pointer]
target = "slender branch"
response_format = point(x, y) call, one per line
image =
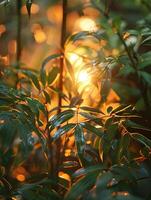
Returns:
point(18, 53)
point(127, 51)
point(63, 35)
point(49, 148)
point(18, 38)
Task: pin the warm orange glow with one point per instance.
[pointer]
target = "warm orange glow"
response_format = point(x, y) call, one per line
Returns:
point(35, 27)
point(12, 46)
point(20, 177)
point(34, 9)
point(103, 43)
point(2, 29)
point(91, 12)
point(54, 14)
point(40, 36)
point(85, 24)
point(67, 152)
point(89, 142)
point(64, 176)
point(5, 59)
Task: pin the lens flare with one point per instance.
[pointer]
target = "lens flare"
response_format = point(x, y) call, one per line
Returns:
point(83, 77)
point(75, 59)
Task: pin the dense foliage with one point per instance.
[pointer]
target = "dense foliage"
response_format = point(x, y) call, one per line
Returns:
point(62, 139)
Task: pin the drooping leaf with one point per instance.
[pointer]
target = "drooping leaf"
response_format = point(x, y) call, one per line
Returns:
point(49, 58)
point(91, 109)
point(43, 76)
point(33, 78)
point(91, 117)
point(88, 170)
point(80, 187)
point(141, 139)
point(35, 106)
point(47, 96)
point(92, 129)
point(146, 77)
point(28, 6)
point(64, 129)
point(80, 142)
point(62, 117)
point(52, 75)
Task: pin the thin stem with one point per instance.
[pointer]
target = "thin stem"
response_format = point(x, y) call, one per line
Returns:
point(63, 34)
point(49, 149)
point(127, 51)
point(63, 37)
point(18, 38)
point(18, 54)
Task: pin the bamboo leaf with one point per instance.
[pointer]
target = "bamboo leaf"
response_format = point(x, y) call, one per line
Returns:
point(52, 75)
point(28, 6)
point(49, 58)
point(64, 129)
point(47, 97)
point(81, 186)
point(88, 170)
point(90, 109)
point(43, 77)
point(62, 117)
point(33, 78)
point(80, 142)
point(91, 117)
point(141, 139)
point(93, 129)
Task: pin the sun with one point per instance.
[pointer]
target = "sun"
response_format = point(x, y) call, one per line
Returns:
point(83, 77)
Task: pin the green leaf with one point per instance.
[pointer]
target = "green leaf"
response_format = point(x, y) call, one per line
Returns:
point(80, 142)
point(141, 139)
point(28, 6)
point(47, 97)
point(122, 108)
point(43, 77)
point(64, 129)
point(145, 76)
point(88, 170)
point(103, 180)
point(105, 89)
point(49, 58)
point(81, 186)
point(123, 146)
point(126, 71)
point(52, 75)
point(91, 109)
point(93, 129)
point(131, 124)
point(145, 60)
point(70, 70)
point(77, 36)
point(91, 117)
point(62, 117)
point(33, 78)
point(77, 100)
point(35, 106)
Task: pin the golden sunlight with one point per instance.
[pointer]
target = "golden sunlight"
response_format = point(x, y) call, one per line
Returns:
point(75, 59)
point(85, 24)
point(83, 77)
